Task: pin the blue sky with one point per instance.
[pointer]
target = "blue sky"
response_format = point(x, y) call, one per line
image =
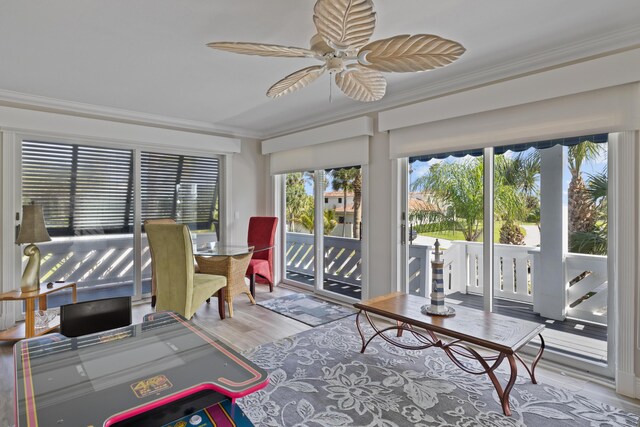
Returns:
point(421, 168)
point(588, 168)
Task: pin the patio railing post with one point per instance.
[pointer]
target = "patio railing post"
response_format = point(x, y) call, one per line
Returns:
point(552, 286)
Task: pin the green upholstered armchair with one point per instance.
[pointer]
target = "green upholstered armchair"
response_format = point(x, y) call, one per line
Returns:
point(153, 278)
point(179, 288)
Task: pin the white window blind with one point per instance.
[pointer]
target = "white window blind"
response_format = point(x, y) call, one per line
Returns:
point(184, 188)
point(600, 111)
point(89, 190)
point(344, 153)
point(82, 189)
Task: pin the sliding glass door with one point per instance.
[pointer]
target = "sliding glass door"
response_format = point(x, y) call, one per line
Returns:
point(299, 223)
point(547, 253)
point(87, 199)
point(342, 238)
point(89, 196)
point(445, 202)
point(181, 188)
point(323, 212)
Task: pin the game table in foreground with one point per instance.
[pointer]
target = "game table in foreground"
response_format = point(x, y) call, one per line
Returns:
point(156, 373)
point(459, 336)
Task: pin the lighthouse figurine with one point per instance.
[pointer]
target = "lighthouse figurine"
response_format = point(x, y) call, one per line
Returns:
point(437, 307)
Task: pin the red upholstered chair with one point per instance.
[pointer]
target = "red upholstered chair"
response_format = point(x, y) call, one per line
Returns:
point(262, 232)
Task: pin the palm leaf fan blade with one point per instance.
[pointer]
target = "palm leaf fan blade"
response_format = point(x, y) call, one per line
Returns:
point(295, 81)
point(261, 49)
point(345, 24)
point(362, 84)
point(406, 53)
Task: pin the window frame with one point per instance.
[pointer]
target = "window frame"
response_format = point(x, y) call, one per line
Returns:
point(12, 163)
point(402, 177)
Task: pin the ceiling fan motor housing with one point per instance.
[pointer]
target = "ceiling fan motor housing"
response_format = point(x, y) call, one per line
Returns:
point(335, 64)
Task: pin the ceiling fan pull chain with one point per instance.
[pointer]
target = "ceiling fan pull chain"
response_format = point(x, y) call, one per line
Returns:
point(330, 89)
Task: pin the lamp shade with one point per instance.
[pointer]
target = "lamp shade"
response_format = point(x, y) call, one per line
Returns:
point(32, 229)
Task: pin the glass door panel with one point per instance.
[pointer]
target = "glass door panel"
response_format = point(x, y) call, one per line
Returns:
point(180, 188)
point(586, 186)
point(517, 230)
point(342, 240)
point(549, 241)
point(445, 202)
point(551, 211)
point(86, 194)
point(300, 226)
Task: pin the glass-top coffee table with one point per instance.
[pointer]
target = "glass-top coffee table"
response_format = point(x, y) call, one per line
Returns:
point(462, 337)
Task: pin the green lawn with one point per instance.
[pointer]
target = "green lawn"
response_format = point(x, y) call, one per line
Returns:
point(457, 235)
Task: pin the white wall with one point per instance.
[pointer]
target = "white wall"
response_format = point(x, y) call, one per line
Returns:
point(381, 204)
point(248, 192)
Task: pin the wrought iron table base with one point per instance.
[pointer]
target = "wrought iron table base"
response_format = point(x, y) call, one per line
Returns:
point(455, 349)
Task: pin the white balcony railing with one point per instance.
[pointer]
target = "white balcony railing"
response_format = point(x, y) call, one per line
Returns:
point(108, 260)
point(342, 257)
point(515, 276)
point(588, 287)
point(92, 261)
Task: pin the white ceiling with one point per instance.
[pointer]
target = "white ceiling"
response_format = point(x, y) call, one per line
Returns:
point(149, 56)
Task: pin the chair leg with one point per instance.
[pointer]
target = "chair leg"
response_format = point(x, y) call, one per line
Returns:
point(153, 301)
point(252, 284)
point(230, 308)
point(221, 309)
point(270, 287)
point(253, 301)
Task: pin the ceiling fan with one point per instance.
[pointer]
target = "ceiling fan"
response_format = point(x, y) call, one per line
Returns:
point(344, 28)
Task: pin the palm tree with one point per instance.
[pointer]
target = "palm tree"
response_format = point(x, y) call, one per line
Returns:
point(458, 188)
point(357, 200)
point(582, 210)
point(297, 200)
point(349, 181)
point(307, 220)
point(594, 241)
point(510, 207)
point(330, 221)
point(517, 193)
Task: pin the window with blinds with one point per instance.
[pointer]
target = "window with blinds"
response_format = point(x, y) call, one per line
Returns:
point(89, 190)
point(181, 187)
point(82, 189)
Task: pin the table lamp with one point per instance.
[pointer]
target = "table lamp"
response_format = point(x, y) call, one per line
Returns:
point(32, 231)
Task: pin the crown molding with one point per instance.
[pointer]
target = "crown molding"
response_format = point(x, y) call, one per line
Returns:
point(584, 50)
point(51, 105)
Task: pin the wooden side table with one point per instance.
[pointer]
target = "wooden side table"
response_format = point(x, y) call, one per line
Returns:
point(28, 328)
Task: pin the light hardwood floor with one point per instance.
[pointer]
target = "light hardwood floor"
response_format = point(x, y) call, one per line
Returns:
point(255, 325)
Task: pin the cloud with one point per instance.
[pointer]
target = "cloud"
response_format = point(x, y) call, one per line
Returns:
point(419, 169)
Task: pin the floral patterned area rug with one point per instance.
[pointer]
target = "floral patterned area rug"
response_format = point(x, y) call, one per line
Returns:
point(307, 309)
point(319, 378)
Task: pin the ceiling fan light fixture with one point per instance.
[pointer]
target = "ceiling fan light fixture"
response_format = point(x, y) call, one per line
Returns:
point(343, 31)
